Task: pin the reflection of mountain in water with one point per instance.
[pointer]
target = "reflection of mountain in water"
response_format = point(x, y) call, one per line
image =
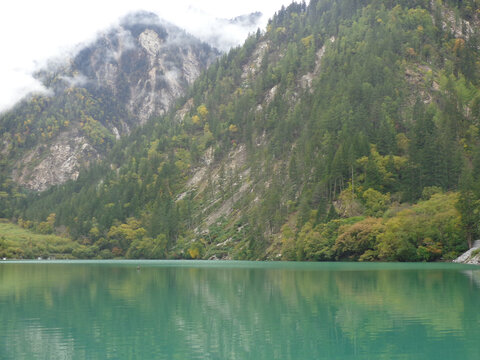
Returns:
point(219, 312)
point(473, 275)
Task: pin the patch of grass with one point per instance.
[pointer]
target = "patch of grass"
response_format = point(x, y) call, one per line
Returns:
point(475, 252)
point(19, 243)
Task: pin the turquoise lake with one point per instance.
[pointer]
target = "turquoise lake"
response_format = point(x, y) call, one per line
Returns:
point(238, 310)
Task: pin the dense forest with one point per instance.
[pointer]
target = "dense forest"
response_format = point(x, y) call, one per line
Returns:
point(346, 130)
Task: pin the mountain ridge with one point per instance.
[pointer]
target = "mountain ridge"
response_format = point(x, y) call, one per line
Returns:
point(345, 131)
point(128, 74)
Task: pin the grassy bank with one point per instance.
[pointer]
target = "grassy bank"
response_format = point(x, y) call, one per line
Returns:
point(19, 243)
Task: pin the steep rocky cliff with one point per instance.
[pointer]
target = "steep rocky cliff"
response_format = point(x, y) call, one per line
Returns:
point(145, 63)
point(131, 72)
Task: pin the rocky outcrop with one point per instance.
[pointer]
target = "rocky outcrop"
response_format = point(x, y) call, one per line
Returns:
point(56, 163)
point(472, 256)
point(146, 63)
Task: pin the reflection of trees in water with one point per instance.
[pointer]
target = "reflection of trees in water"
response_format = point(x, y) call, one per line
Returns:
point(474, 276)
point(237, 313)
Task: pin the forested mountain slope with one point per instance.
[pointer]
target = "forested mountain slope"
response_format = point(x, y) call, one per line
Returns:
point(129, 73)
point(348, 130)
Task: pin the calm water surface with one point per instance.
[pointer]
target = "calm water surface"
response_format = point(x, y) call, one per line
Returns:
point(238, 310)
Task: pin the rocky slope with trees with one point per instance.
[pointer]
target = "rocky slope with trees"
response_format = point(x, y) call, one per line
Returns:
point(344, 131)
point(130, 73)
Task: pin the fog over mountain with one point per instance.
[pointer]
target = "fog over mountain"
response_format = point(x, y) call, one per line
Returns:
point(50, 30)
point(131, 72)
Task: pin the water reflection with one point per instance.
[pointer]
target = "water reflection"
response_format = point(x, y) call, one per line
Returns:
point(473, 275)
point(113, 311)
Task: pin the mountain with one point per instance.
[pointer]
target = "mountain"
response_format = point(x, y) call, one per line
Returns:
point(132, 72)
point(345, 131)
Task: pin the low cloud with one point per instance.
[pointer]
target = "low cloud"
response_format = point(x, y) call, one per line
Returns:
point(218, 32)
point(78, 80)
point(126, 41)
point(22, 84)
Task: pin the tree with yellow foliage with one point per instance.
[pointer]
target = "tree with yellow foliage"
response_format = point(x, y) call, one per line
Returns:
point(202, 112)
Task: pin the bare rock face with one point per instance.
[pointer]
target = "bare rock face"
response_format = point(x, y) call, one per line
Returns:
point(56, 163)
point(146, 63)
point(471, 256)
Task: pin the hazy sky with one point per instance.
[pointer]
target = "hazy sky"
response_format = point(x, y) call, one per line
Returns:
point(33, 31)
